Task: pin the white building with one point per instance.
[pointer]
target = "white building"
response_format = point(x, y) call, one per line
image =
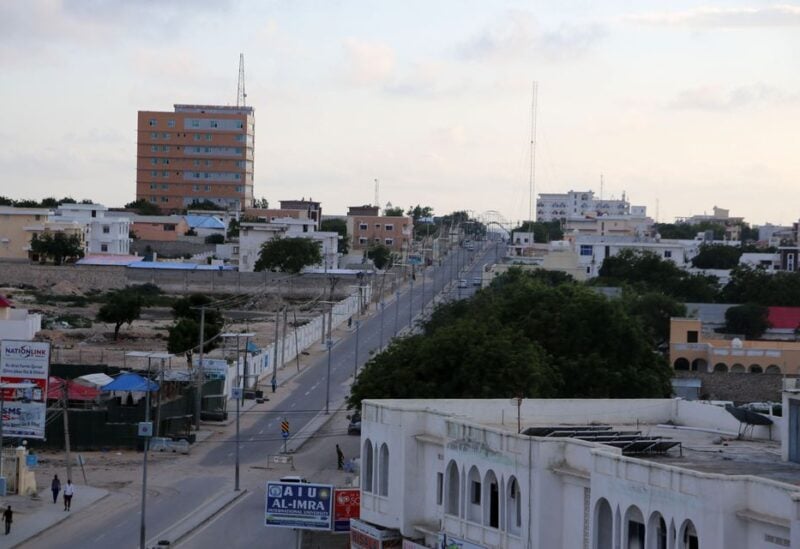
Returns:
point(17, 323)
point(555, 206)
point(593, 250)
point(253, 235)
point(102, 234)
point(582, 474)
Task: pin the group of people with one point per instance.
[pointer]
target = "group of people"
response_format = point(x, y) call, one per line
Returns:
point(55, 487)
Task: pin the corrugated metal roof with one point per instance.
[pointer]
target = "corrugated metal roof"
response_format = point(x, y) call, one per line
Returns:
point(204, 222)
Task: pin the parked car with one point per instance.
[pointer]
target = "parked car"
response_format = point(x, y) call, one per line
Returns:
point(462, 283)
point(476, 281)
point(293, 478)
point(354, 428)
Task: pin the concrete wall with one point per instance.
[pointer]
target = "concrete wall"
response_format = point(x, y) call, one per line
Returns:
point(177, 248)
point(739, 388)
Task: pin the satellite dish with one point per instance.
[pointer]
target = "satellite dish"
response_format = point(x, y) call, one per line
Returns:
point(736, 343)
point(747, 418)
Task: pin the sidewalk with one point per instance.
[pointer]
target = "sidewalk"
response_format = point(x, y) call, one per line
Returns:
point(33, 516)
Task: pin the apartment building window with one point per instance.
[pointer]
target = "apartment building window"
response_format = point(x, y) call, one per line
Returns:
point(196, 163)
point(195, 123)
point(362, 226)
point(154, 161)
point(169, 227)
point(667, 254)
point(389, 227)
point(389, 241)
point(165, 135)
point(195, 188)
point(475, 492)
point(362, 241)
point(152, 122)
point(439, 488)
point(154, 148)
point(164, 199)
point(208, 187)
point(106, 229)
point(239, 138)
point(691, 336)
point(164, 186)
point(207, 162)
point(197, 137)
point(208, 137)
point(103, 247)
point(164, 174)
point(170, 123)
point(154, 135)
point(586, 249)
point(239, 189)
point(377, 225)
point(154, 173)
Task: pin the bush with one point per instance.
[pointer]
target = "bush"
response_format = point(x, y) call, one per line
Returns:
point(215, 239)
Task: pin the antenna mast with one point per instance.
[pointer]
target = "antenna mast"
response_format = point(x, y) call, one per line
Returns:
point(241, 96)
point(377, 187)
point(601, 186)
point(532, 177)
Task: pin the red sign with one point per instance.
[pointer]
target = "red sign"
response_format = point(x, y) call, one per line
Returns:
point(346, 505)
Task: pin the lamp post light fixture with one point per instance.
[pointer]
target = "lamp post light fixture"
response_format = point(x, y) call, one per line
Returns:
point(383, 308)
point(355, 361)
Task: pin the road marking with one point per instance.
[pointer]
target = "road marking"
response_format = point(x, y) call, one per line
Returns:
point(261, 432)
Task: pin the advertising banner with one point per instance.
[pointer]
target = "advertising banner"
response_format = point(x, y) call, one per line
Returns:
point(347, 505)
point(299, 505)
point(366, 536)
point(215, 368)
point(24, 363)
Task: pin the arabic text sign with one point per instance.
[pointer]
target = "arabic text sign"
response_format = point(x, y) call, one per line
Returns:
point(26, 363)
point(299, 505)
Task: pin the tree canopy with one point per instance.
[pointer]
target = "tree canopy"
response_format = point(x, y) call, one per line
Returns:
point(185, 333)
point(143, 207)
point(527, 335)
point(717, 256)
point(381, 256)
point(336, 225)
point(393, 212)
point(288, 255)
point(543, 231)
point(122, 307)
point(57, 246)
point(749, 319)
point(755, 285)
point(687, 231)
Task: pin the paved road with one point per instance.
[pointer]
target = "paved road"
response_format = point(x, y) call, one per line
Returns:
point(172, 499)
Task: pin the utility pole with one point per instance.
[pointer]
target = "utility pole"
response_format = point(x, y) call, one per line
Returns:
point(355, 361)
point(66, 431)
point(396, 310)
point(410, 304)
point(328, 380)
point(275, 352)
point(383, 307)
point(143, 523)
point(199, 372)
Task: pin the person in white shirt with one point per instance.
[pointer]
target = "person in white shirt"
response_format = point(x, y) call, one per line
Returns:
point(69, 491)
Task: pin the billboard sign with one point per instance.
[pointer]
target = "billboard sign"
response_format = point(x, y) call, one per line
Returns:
point(299, 505)
point(215, 368)
point(347, 505)
point(26, 366)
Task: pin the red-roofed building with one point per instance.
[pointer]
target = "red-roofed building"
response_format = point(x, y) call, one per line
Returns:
point(784, 318)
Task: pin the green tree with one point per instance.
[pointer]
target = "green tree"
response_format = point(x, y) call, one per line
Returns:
point(381, 256)
point(393, 212)
point(49, 202)
point(184, 334)
point(204, 204)
point(750, 319)
point(755, 285)
point(122, 307)
point(653, 310)
point(686, 231)
point(526, 334)
point(233, 228)
point(143, 207)
point(543, 231)
point(57, 246)
point(288, 255)
point(6, 201)
point(262, 203)
point(26, 203)
point(418, 211)
point(336, 225)
point(215, 238)
point(717, 256)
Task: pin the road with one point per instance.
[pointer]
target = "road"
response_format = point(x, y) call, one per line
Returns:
point(174, 493)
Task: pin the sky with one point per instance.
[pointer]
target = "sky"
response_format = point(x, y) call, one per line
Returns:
point(682, 106)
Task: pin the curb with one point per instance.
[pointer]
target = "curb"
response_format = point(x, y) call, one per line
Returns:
point(181, 530)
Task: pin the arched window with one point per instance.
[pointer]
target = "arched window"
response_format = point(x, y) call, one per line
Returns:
point(634, 533)
point(773, 369)
point(699, 365)
point(474, 493)
point(603, 525)
point(681, 364)
point(720, 368)
point(452, 489)
point(491, 497)
point(657, 531)
point(383, 471)
point(756, 369)
point(737, 368)
point(513, 507)
point(366, 482)
point(688, 538)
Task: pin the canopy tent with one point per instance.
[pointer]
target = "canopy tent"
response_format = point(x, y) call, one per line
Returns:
point(130, 382)
point(94, 380)
point(55, 390)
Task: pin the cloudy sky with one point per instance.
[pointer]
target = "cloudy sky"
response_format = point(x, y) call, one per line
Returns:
point(684, 105)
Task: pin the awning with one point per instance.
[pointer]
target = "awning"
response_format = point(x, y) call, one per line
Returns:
point(130, 382)
point(55, 390)
point(94, 380)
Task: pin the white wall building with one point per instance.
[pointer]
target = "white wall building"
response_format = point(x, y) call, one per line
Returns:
point(17, 323)
point(593, 250)
point(590, 474)
point(253, 235)
point(555, 206)
point(102, 234)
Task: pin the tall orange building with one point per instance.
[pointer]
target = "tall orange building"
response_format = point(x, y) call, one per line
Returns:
point(198, 152)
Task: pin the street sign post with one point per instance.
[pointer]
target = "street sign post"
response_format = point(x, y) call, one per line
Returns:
point(285, 432)
point(299, 505)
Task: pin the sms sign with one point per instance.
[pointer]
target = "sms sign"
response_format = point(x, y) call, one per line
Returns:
point(299, 505)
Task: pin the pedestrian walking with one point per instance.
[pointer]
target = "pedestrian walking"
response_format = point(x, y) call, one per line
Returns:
point(69, 491)
point(55, 487)
point(339, 458)
point(8, 518)
point(274, 384)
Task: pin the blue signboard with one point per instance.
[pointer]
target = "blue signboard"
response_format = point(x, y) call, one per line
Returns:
point(299, 505)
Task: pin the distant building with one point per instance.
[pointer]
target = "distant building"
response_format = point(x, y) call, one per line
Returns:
point(575, 204)
point(366, 228)
point(252, 236)
point(17, 323)
point(16, 230)
point(196, 153)
point(165, 228)
point(103, 234)
point(577, 473)
point(312, 209)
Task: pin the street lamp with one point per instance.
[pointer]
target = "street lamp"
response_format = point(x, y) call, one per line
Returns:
point(396, 309)
point(329, 344)
point(410, 303)
point(239, 391)
point(355, 361)
point(383, 307)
